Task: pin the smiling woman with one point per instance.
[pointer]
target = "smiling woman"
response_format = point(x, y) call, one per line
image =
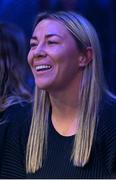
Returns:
point(73, 130)
point(54, 51)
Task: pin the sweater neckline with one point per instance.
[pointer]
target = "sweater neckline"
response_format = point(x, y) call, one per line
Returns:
point(56, 133)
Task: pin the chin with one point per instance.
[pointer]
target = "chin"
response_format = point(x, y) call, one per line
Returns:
point(42, 86)
point(45, 84)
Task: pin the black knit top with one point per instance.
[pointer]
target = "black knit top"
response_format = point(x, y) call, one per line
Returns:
point(13, 114)
point(57, 163)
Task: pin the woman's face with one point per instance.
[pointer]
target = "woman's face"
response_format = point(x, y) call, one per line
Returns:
point(53, 56)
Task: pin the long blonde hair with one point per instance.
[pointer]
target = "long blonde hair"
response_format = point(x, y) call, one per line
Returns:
point(90, 95)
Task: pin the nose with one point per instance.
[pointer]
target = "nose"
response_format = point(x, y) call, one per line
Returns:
point(39, 52)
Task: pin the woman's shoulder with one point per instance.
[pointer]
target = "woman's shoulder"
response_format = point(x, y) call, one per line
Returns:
point(19, 123)
point(108, 105)
point(19, 107)
point(107, 131)
point(16, 139)
point(15, 114)
point(18, 111)
point(18, 118)
point(20, 114)
point(107, 118)
point(13, 126)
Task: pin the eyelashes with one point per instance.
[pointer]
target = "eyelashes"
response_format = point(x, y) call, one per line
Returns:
point(49, 42)
point(52, 42)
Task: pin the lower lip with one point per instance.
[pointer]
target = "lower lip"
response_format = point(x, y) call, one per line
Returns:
point(43, 72)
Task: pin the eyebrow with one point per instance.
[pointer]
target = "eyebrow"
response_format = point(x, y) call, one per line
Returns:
point(47, 36)
point(50, 35)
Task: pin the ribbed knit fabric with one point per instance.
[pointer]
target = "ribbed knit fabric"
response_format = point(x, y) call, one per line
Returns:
point(57, 164)
point(3, 130)
point(11, 120)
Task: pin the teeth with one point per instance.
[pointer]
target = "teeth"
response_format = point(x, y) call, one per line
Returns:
point(42, 67)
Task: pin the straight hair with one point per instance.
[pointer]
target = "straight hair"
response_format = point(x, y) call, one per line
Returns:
point(91, 89)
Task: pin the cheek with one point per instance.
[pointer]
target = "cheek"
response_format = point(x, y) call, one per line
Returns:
point(29, 58)
point(57, 52)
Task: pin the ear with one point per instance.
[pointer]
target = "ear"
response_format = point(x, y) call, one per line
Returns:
point(86, 57)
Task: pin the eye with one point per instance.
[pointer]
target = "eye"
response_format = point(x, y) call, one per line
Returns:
point(32, 45)
point(51, 42)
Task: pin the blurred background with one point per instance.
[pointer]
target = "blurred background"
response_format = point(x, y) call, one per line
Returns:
point(102, 14)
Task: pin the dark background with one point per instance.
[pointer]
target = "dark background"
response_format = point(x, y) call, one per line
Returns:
point(102, 14)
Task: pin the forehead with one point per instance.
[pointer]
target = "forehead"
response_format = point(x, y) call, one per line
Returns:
point(50, 26)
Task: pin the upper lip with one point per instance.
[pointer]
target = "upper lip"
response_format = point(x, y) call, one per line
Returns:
point(41, 63)
point(45, 64)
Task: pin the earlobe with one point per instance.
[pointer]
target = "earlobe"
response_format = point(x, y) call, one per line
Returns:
point(86, 57)
point(82, 61)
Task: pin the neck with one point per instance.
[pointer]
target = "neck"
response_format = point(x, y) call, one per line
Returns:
point(65, 111)
point(65, 119)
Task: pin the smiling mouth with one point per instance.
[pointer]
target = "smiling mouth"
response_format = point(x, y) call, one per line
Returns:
point(43, 67)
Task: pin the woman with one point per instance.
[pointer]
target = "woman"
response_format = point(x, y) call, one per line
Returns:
point(73, 128)
point(14, 96)
point(12, 57)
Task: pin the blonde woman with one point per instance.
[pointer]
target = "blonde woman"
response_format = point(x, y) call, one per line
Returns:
point(73, 128)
